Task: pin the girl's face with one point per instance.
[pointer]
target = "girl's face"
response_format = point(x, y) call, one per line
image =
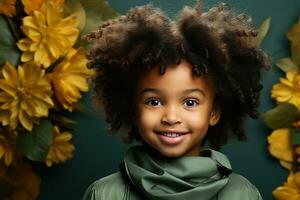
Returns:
point(174, 110)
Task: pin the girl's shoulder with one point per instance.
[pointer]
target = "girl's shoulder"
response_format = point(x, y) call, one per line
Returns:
point(238, 187)
point(111, 186)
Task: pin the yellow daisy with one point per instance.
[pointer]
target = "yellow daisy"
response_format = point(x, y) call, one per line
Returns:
point(49, 35)
point(25, 94)
point(7, 7)
point(290, 190)
point(70, 77)
point(288, 90)
point(61, 149)
point(31, 5)
point(280, 147)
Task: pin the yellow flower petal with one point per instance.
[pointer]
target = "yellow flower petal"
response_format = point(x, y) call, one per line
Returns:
point(8, 87)
point(10, 73)
point(7, 7)
point(79, 82)
point(289, 190)
point(7, 146)
point(286, 164)
point(291, 75)
point(25, 120)
point(27, 56)
point(288, 90)
point(280, 145)
point(24, 44)
point(64, 137)
point(53, 14)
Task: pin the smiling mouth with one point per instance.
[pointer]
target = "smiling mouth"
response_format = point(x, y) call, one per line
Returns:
point(170, 134)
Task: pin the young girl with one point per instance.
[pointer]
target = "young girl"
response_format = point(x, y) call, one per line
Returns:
point(176, 85)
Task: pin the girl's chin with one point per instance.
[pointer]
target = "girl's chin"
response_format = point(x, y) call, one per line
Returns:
point(172, 153)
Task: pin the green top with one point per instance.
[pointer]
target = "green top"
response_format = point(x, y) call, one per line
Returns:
point(148, 175)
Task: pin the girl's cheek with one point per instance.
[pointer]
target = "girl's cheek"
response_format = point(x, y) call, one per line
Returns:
point(196, 118)
point(149, 117)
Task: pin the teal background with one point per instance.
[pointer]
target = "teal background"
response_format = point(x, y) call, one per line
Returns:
point(98, 154)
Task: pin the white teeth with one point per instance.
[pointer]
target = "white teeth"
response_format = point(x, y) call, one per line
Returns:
point(173, 135)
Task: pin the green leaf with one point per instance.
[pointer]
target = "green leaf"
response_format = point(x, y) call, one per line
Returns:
point(262, 31)
point(8, 49)
point(295, 136)
point(281, 116)
point(35, 145)
point(97, 11)
point(286, 64)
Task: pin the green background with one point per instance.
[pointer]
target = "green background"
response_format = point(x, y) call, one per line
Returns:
point(98, 154)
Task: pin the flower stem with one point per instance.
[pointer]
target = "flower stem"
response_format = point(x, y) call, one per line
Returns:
point(13, 29)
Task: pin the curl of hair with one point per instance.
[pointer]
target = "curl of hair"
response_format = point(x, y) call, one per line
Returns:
point(218, 43)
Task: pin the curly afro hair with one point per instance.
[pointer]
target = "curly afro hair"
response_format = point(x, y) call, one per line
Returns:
point(218, 43)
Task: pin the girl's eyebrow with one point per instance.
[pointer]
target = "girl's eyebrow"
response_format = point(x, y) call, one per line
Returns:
point(154, 90)
point(187, 91)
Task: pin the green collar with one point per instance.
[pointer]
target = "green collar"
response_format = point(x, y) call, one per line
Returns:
point(183, 178)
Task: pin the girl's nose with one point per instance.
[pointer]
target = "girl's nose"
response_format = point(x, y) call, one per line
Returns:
point(171, 116)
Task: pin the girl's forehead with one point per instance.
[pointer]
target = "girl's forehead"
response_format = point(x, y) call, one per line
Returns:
point(176, 77)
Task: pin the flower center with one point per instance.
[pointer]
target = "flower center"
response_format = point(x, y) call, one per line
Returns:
point(45, 33)
point(23, 92)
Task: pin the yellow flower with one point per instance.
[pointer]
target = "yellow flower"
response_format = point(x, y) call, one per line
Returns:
point(61, 149)
point(49, 35)
point(70, 77)
point(293, 36)
point(290, 190)
point(7, 7)
point(288, 90)
point(31, 5)
point(7, 145)
point(25, 95)
point(280, 146)
point(26, 183)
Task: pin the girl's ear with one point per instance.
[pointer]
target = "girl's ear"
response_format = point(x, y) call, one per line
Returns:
point(214, 117)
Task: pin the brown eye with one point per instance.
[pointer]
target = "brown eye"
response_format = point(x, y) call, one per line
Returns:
point(191, 103)
point(153, 102)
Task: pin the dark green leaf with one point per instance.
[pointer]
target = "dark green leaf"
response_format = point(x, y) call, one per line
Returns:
point(295, 136)
point(96, 11)
point(281, 116)
point(35, 145)
point(8, 49)
point(25, 143)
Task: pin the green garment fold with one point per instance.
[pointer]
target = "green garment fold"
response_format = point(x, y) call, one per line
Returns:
point(147, 175)
point(183, 178)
